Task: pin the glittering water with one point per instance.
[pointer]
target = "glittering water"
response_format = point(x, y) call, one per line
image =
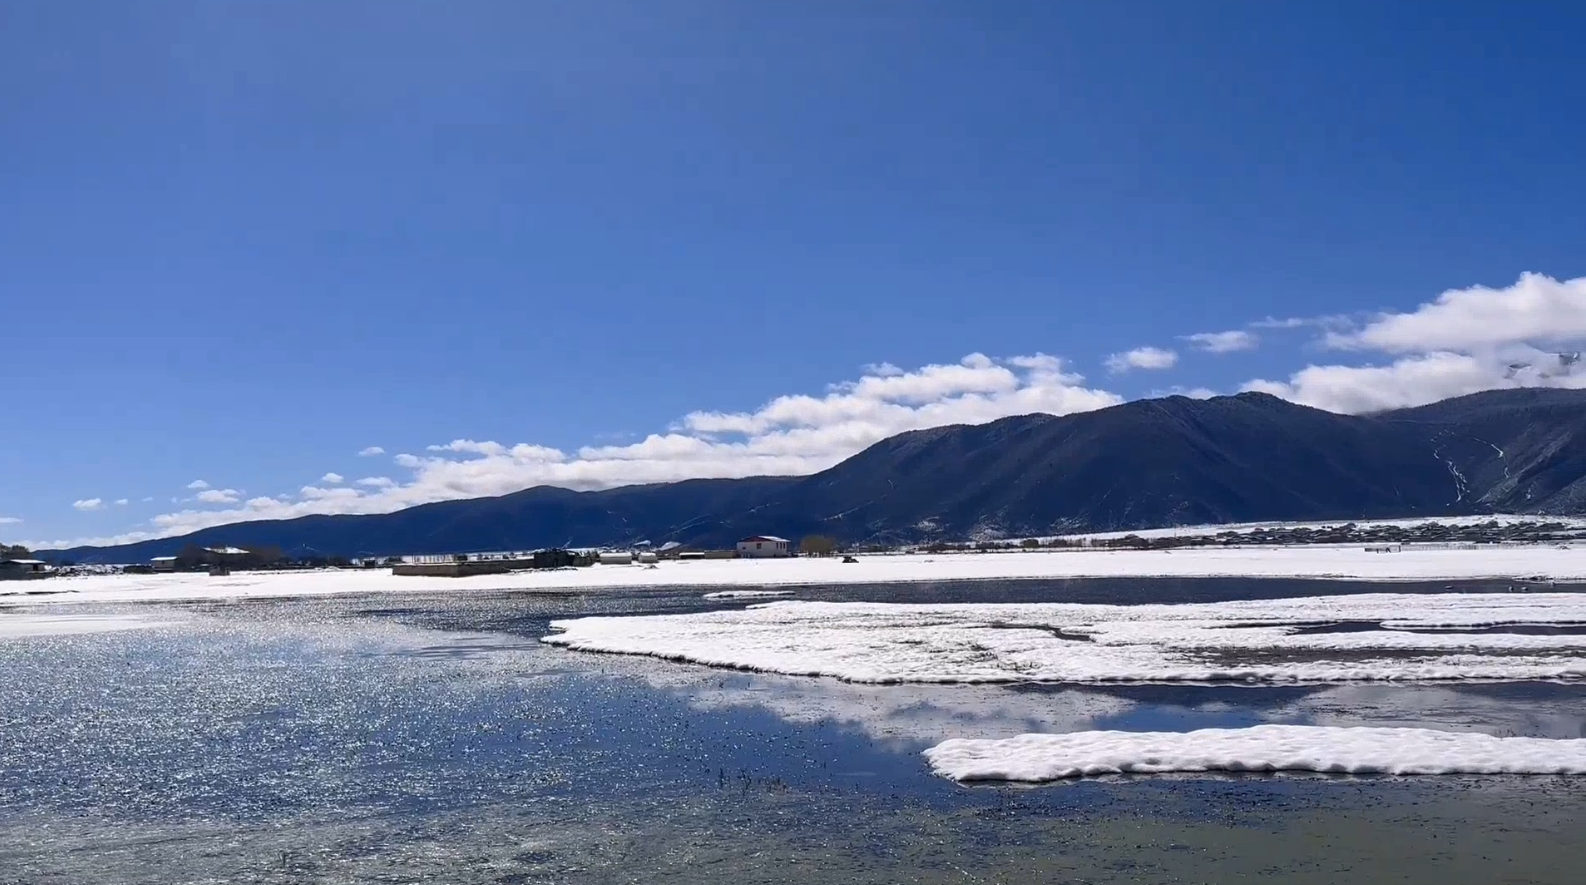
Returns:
point(435, 739)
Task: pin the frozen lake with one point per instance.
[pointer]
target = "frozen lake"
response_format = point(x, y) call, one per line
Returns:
point(422, 736)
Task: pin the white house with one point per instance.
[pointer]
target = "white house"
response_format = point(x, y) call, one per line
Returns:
point(765, 545)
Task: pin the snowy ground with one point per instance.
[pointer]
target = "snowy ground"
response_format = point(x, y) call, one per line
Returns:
point(1262, 748)
point(1369, 637)
point(1528, 563)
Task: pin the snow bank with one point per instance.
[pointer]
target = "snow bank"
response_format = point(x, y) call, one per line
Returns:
point(1261, 748)
point(748, 594)
point(1531, 563)
point(1355, 638)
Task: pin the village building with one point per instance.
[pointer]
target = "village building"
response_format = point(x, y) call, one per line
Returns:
point(163, 564)
point(21, 569)
point(764, 546)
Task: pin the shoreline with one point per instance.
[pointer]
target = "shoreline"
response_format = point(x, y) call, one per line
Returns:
point(1530, 567)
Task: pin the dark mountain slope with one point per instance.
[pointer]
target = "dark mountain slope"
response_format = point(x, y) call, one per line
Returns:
point(1152, 462)
point(536, 517)
point(1170, 461)
point(1517, 450)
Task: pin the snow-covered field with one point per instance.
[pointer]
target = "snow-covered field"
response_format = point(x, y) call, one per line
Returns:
point(1530, 563)
point(1261, 748)
point(1382, 636)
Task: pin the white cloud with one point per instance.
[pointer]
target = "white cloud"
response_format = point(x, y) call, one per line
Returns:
point(148, 499)
point(370, 452)
point(1415, 380)
point(198, 484)
point(1537, 310)
point(1328, 321)
point(10, 520)
point(1149, 358)
point(466, 447)
point(219, 496)
point(788, 435)
point(314, 493)
point(1466, 341)
point(1224, 342)
point(332, 478)
point(121, 502)
point(89, 504)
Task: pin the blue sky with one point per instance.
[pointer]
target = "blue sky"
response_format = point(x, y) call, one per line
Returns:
point(243, 242)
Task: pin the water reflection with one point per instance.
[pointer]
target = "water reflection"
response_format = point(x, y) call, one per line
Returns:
point(348, 740)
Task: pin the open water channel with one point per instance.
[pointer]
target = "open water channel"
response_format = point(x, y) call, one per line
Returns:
point(406, 738)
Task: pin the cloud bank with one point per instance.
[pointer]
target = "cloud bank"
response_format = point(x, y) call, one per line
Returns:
point(1466, 341)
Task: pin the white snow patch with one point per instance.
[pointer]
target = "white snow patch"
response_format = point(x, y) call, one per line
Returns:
point(748, 594)
point(1255, 641)
point(1261, 748)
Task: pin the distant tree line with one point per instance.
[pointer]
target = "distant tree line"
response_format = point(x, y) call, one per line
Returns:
point(15, 551)
point(818, 545)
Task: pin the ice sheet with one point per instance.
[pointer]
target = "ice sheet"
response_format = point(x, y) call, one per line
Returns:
point(1531, 563)
point(748, 594)
point(1366, 637)
point(1261, 748)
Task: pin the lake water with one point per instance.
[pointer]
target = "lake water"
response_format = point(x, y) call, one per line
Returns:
point(435, 739)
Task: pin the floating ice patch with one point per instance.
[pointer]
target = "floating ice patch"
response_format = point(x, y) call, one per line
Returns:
point(1370, 637)
point(1261, 748)
point(748, 594)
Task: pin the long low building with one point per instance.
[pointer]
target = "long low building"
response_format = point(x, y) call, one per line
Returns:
point(21, 569)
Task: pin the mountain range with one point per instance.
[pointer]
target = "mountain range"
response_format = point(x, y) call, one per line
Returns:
point(1143, 464)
